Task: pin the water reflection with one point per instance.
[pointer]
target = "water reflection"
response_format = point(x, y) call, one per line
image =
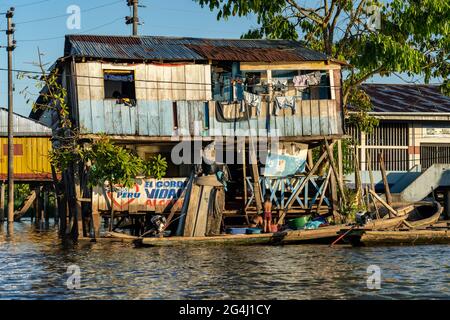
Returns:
point(34, 264)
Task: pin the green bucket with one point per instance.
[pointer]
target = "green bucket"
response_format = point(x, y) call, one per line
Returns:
point(298, 223)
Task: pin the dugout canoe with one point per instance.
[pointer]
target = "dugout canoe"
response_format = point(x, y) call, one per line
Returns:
point(226, 239)
point(399, 237)
point(328, 234)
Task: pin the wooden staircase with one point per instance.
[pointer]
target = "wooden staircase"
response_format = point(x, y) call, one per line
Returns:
point(26, 205)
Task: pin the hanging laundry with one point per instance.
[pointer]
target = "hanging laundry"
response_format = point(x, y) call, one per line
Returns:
point(311, 79)
point(280, 85)
point(283, 103)
point(314, 78)
point(253, 100)
point(300, 82)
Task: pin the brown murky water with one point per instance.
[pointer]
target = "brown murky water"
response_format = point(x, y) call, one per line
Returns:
point(33, 265)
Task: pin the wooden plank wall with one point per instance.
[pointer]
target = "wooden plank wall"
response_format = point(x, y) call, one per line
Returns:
point(163, 85)
point(156, 87)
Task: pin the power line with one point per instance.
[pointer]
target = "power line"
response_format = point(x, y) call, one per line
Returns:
point(31, 3)
point(68, 14)
point(143, 80)
point(62, 37)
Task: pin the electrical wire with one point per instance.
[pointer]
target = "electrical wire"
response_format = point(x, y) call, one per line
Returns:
point(68, 14)
point(62, 37)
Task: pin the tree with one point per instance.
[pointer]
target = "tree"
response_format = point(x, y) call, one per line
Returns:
point(408, 36)
point(112, 164)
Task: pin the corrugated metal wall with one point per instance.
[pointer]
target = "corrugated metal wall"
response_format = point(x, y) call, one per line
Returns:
point(30, 160)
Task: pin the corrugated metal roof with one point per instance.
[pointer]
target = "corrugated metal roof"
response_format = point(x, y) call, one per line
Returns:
point(23, 126)
point(171, 48)
point(407, 98)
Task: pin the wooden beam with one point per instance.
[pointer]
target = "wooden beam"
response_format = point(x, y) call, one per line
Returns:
point(385, 180)
point(333, 165)
point(302, 185)
point(387, 206)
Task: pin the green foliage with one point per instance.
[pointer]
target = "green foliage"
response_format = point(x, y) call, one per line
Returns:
point(351, 208)
point(414, 37)
point(112, 163)
point(156, 167)
point(360, 103)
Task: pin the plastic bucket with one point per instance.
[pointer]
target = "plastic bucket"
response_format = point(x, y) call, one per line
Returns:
point(236, 230)
point(298, 223)
point(253, 231)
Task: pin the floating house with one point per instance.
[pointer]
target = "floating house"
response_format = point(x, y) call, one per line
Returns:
point(151, 93)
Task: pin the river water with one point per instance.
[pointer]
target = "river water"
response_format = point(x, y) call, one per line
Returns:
point(34, 265)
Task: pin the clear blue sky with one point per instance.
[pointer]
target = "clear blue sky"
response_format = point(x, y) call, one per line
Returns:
point(170, 18)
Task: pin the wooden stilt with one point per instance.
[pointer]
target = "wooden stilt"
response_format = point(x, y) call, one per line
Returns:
point(310, 159)
point(37, 208)
point(340, 162)
point(2, 202)
point(244, 174)
point(300, 188)
point(322, 196)
point(46, 211)
point(385, 180)
point(333, 165)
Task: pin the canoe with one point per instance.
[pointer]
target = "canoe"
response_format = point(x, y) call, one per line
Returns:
point(325, 235)
point(424, 214)
point(227, 239)
point(328, 234)
point(403, 237)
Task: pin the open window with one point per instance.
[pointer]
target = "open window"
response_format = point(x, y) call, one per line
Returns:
point(120, 85)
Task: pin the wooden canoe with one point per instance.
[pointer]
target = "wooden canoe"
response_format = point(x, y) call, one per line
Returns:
point(325, 235)
point(405, 237)
point(424, 214)
point(330, 233)
point(239, 239)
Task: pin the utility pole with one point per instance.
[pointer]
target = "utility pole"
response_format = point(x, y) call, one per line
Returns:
point(10, 48)
point(135, 18)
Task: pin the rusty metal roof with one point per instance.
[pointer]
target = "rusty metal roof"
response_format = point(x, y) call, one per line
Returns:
point(407, 98)
point(177, 49)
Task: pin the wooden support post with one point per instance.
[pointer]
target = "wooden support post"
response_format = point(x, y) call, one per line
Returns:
point(369, 167)
point(2, 202)
point(46, 211)
point(333, 165)
point(358, 183)
point(244, 174)
point(56, 211)
point(385, 180)
point(300, 188)
point(79, 221)
point(37, 208)
point(254, 165)
point(340, 162)
point(324, 190)
point(386, 205)
point(310, 159)
point(334, 196)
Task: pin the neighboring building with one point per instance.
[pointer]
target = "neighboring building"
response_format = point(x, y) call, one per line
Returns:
point(31, 147)
point(414, 129)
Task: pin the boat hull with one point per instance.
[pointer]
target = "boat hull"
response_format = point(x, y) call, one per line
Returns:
point(387, 238)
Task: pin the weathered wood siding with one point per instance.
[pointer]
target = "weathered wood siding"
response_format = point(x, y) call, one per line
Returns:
point(156, 118)
point(158, 87)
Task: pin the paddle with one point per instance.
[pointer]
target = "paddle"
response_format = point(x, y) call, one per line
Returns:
point(342, 236)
